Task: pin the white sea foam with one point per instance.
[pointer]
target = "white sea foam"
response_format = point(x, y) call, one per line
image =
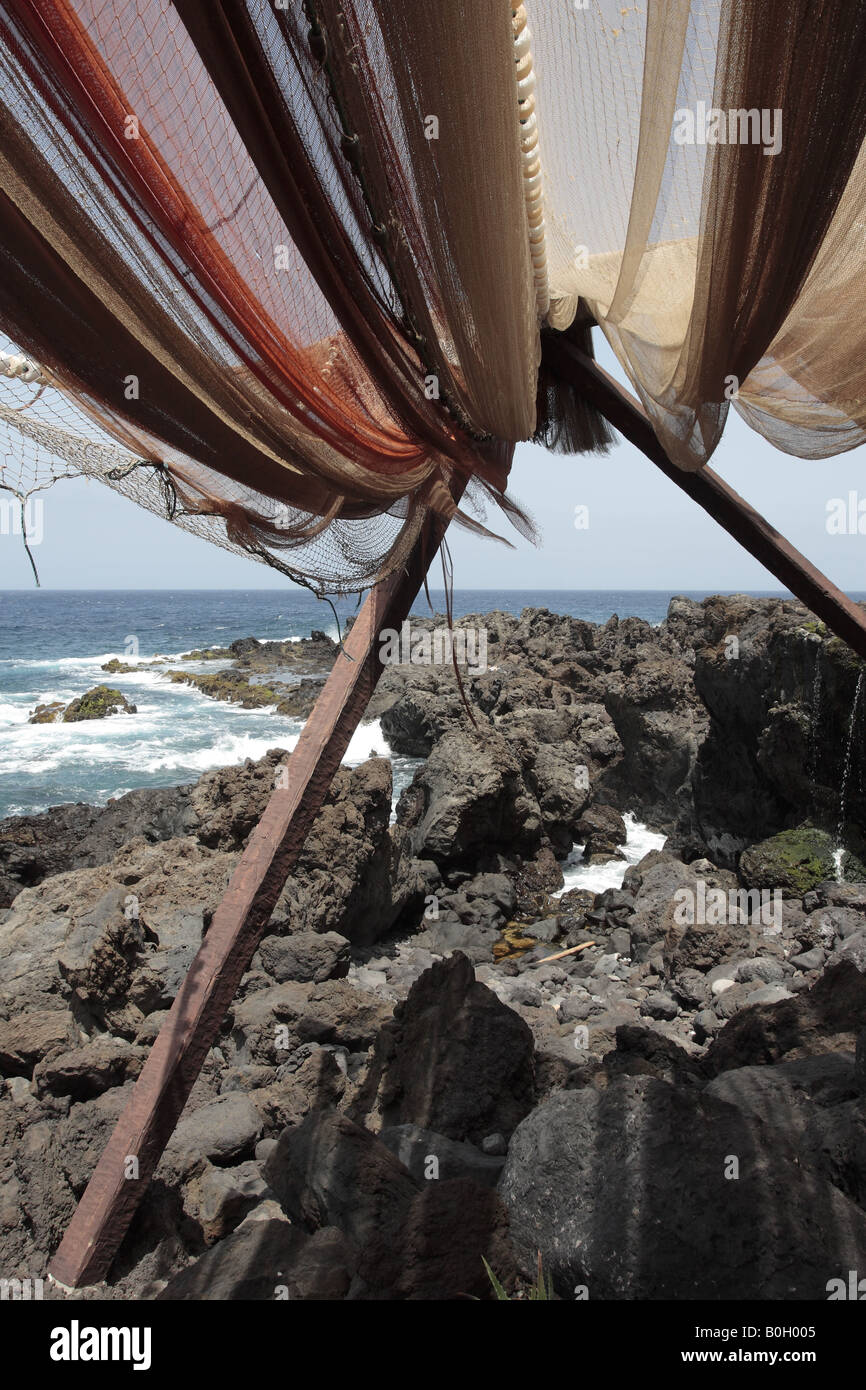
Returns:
point(15, 714)
point(597, 877)
point(367, 740)
point(226, 751)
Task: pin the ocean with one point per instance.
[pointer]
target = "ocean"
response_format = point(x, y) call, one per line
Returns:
point(53, 644)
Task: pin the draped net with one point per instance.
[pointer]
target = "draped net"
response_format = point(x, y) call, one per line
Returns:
point(284, 271)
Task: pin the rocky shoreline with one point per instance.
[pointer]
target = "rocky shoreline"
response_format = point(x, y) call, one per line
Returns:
point(672, 1107)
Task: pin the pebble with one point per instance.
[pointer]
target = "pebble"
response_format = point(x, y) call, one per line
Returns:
point(658, 1005)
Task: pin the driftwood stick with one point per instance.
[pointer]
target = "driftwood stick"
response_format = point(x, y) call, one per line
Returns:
point(572, 951)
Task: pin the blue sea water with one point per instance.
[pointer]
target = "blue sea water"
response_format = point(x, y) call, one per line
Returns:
point(53, 644)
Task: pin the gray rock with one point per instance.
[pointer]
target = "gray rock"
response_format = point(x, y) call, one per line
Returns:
point(810, 960)
point(546, 930)
point(495, 1144)
point(442, 937)
point(686, 1230)
point(470, 795)
point(218, 1199)
point(690, 987)
point(454, 1060)
point(619, 941)
point(355, 873)
point(415, 1147)
point(495, 888)
point(306, 956)
point(575, 1008)
point(224, 1130)
point(770, 994)
point(268, 1260)
point(763, 968)
point(853, 948)
point(706, 1024)
point(87, 1071)
point(730, 1001)
point(658, 1005)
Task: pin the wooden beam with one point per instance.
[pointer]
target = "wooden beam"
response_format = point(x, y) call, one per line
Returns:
point(844, 617)
point(161, 1091)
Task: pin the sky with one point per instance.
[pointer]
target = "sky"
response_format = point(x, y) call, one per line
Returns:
point(642, 532)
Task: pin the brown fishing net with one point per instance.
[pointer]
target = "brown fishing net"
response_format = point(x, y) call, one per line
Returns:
point(287, 262)
point(205, 277)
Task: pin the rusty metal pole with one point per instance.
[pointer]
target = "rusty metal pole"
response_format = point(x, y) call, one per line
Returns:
point(844, 617)
point(109, 1202)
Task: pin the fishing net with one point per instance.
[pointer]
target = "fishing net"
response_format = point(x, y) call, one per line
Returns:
point(293, 260)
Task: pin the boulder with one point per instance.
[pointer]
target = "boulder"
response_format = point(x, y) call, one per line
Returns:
point(430, 1156)
point(354, 875)
point(620, 1198)
point(305, 956)
point(270, 1023)
point(268, 1260)
point(224, 1130)
point(85, 1072)
point(414, 1240)
point(470, 797)
point(28, 1037)
point(453, 1060)
point(792, 861)
point(601, 830)
point(328, 1171)
point(218, 1199)
point(825, 1018)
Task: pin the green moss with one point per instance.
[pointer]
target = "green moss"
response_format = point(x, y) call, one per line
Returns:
point(793, 861)
point(97, 703)
point(843, 656)
point(207, 654)
point(227, 685)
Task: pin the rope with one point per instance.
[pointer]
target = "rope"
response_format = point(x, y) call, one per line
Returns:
point(533, 183)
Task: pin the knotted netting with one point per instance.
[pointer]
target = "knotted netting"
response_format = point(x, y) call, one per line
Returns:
point(297, 261)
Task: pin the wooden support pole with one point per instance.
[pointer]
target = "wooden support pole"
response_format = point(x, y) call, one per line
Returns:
point(844, 617)
point(109, 1202)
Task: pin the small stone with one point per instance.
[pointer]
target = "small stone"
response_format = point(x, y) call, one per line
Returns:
point(658, 1005)
point(769, 994)
point(719, 986)
point(620, 941)
point(762, 968)
point(706, 1024)
point(575, 1008)
point(526, 994)
point(494, 1144)
point(809, 960)
point(605, 965)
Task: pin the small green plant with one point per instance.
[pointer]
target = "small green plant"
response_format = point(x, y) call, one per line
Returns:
point(541, 1289)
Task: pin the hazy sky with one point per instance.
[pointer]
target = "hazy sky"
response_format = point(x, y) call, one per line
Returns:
point(643, 533)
